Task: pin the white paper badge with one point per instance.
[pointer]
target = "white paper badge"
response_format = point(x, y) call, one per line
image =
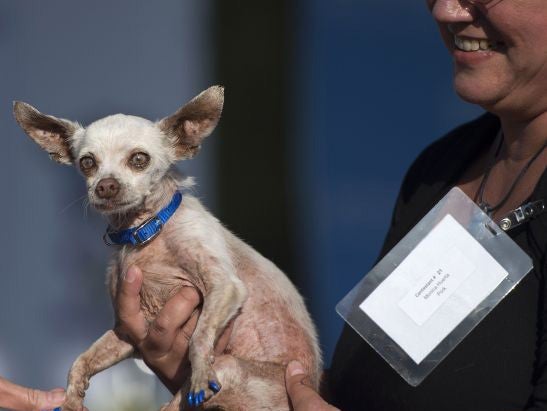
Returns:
point(438, 283)
point(435, 287)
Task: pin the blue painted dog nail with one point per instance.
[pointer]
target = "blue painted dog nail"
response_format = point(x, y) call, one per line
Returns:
point(214, 386)
point(201, 396)
point(190, 399)
point(57, 409)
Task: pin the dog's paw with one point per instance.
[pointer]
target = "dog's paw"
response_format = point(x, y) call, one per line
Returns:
point(204, 386)
point(73, 404)
point(75, 394)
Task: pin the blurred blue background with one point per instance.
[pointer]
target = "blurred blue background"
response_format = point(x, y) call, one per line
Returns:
point(327, 104)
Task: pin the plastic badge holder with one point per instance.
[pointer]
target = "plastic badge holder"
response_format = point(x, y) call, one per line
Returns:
point(441, 280)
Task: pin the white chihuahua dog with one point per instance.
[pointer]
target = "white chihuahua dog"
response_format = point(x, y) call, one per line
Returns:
point(127, 164)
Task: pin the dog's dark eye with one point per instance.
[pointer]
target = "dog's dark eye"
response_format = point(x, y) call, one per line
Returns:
point(87, 163)
point(139, 160)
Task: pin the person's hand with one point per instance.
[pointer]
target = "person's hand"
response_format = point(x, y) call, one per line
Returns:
point(303, 397)
point(15, 397)
point(163, 344)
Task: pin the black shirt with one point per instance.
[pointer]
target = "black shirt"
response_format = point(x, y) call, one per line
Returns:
point(501, 364)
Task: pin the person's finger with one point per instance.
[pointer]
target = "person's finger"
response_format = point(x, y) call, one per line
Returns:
point(173, 368)
point(297, 383)
point(174, 315)
point(128, 306)
point(224, 339)
point(303, 397)
point(180, 347)
point(48, 400)
point(178, 351)
point(28, 399)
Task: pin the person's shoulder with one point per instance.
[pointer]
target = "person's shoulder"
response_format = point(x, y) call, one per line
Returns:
point(448, 152)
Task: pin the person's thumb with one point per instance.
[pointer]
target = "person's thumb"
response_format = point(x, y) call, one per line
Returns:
point(300, 390)
point(44, 400)
point(298, 386)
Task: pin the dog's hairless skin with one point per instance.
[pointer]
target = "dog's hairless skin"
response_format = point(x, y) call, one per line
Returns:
point(127, 163)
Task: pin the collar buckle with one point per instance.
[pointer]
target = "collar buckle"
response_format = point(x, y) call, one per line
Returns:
point(147, 231)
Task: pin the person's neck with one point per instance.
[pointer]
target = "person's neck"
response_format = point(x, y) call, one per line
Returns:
point(159, 198)
point(523, 138)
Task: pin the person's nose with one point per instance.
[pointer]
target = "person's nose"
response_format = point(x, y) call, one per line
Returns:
point(452, 11)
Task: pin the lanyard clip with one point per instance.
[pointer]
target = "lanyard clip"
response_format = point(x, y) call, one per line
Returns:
point(522, 214)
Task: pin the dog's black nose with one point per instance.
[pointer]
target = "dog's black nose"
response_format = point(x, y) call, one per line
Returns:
point(107, 188)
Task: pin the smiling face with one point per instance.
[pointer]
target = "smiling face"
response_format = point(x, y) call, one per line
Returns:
point(499, 51)
point(122, 158)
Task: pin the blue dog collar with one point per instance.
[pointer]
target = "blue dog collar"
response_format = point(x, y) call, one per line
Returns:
point(148, 230)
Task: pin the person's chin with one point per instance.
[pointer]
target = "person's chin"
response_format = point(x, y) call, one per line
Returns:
point(476, 92)
point(472, 97)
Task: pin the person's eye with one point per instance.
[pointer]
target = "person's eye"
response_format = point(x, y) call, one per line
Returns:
point(139, 160)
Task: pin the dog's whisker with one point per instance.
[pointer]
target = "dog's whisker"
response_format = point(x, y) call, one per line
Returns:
point(82, 197)
point(86, 208)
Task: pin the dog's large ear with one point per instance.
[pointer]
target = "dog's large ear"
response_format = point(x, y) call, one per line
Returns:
point(51, 133)
point(194, 121)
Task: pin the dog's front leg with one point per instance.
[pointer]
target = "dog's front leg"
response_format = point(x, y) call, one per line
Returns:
point(224, 298)
point(105, 352)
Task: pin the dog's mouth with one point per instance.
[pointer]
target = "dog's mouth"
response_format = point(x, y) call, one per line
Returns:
point(110, 206)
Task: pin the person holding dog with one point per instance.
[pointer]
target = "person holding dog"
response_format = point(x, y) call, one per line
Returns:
point(164, 343)
point(499, 50)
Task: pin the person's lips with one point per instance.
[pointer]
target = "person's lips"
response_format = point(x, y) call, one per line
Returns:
point(469, 51)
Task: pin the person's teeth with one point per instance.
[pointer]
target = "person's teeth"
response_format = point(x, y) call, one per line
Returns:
point(472, 44)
